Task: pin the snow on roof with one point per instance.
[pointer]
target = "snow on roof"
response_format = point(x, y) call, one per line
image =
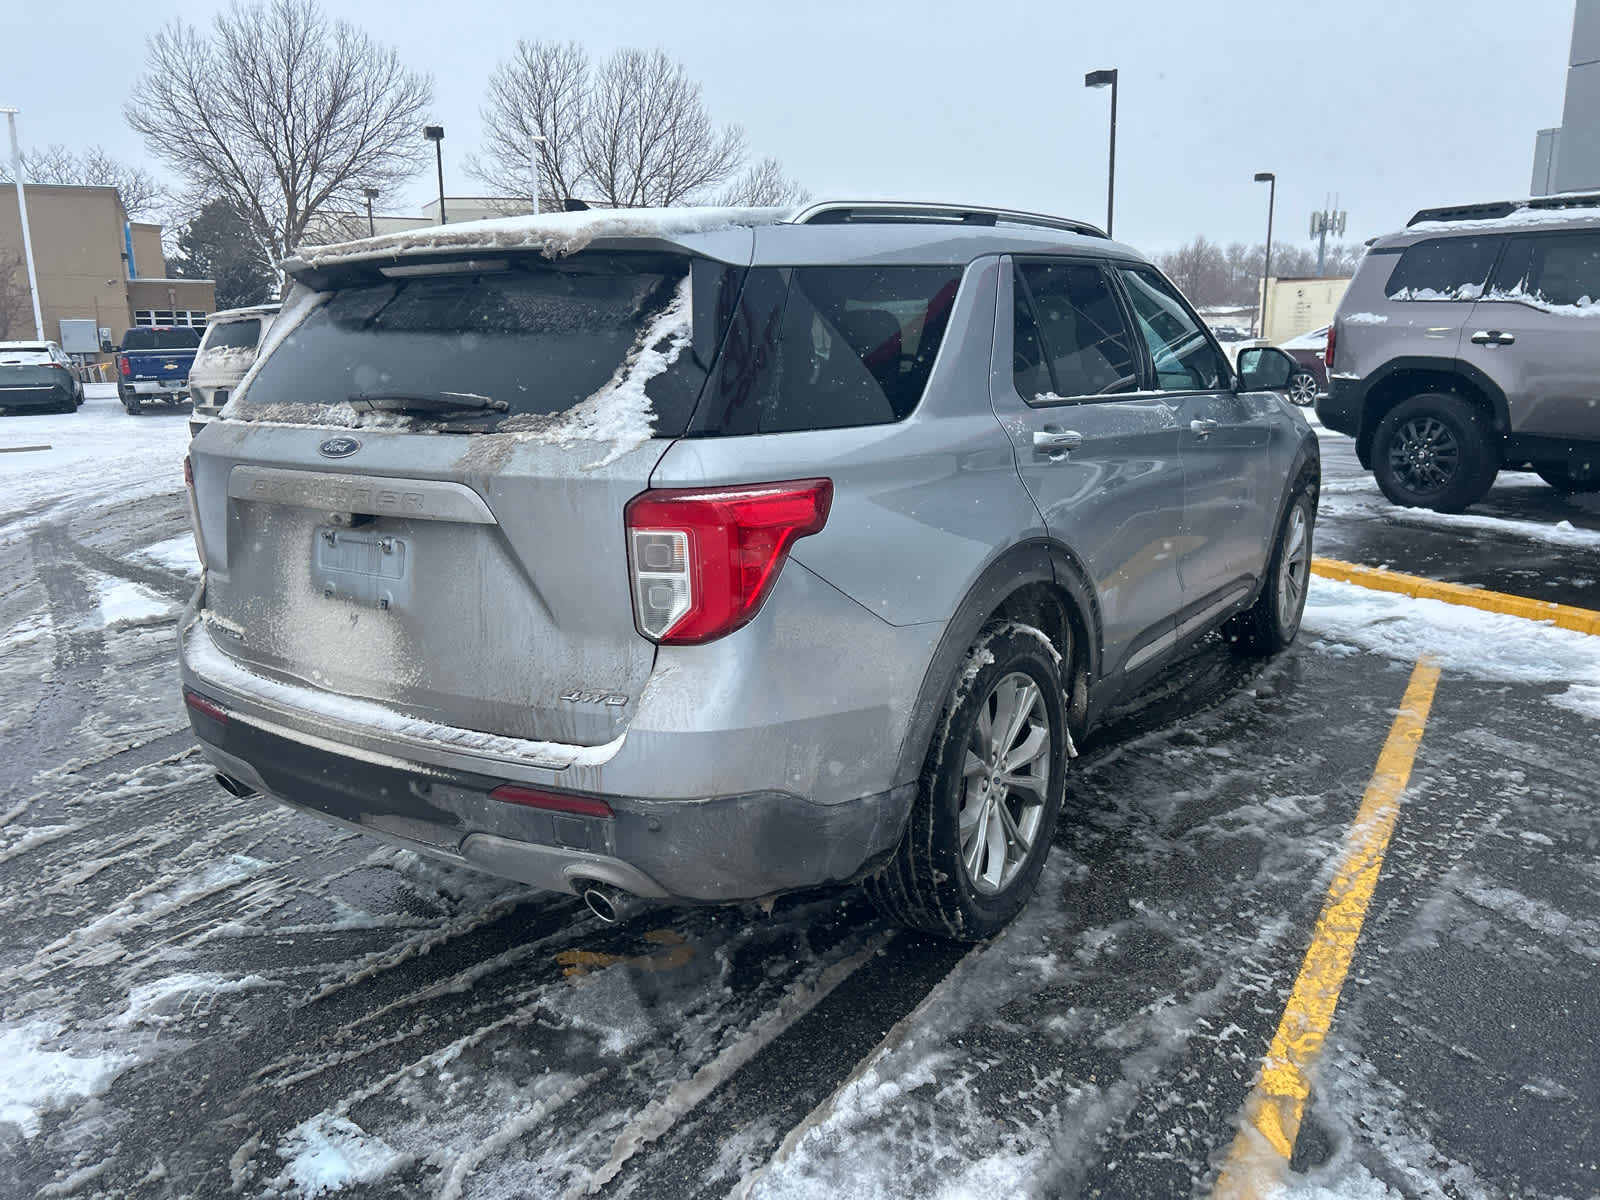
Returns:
point(551, 234)
point(1521, 218)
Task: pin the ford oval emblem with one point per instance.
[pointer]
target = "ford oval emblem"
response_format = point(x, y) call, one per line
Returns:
point(339, 447)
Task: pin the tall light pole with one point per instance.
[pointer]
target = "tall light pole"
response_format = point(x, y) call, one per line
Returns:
point(1098, 79)
point(1269, 178)
point(22, 212)
point(371, 193)
point(435, 134)
point(534, 142)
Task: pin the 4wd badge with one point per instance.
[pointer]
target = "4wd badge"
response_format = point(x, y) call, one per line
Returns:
point(609, 699)
point(339, 447)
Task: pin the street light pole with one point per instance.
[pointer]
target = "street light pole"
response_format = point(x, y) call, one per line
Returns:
point(22, 212)
point(1097, 79)
point(535, 141)
point(1270, 179)
point(371, 193)
point(435, 134)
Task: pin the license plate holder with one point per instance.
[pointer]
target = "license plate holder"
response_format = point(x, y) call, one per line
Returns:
point(371, 569)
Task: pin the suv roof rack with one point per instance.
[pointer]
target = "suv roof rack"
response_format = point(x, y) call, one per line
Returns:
point(879, 212)
point(1494, 210)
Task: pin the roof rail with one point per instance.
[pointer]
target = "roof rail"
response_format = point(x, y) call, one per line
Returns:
point(841, 212)
point(1497, 209)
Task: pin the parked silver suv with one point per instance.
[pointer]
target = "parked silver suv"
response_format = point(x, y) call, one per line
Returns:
point(709, 554)
point(1468, 343)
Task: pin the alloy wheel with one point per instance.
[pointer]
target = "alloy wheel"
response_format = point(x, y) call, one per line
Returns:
point(1303, 389)
point(1424, 454)
point(1294, 565)
point(1005, 779)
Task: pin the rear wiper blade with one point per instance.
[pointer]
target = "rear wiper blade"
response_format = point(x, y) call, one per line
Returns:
point(431, 402)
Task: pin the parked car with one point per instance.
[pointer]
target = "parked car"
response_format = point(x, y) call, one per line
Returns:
point(705, 556)
point(153, 365)
point(225, 355)
point(38, 375)
point(1467, 343)
point(1308, 351)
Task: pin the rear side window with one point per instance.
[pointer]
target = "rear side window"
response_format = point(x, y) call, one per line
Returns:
point(233, 335)
point(540, 338)
point(1070, 335)
point(161, 339)
point(1443, 269)
point(1557, 270)
point(828, 348)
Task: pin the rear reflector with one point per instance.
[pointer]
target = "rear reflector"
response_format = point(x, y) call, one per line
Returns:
point(581, 806)
point(704, 559)
point(206, 708)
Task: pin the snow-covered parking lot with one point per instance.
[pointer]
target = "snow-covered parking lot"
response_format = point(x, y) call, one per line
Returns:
point(204, 996)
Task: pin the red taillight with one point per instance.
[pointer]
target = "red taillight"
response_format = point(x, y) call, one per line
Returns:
point(582, 806)
point(206, 708)
point(702, 560)
point(124, 366)
point(1327, 355)
point(194, 511)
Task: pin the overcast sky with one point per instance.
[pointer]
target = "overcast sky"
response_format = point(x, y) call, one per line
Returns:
point(1392, 104)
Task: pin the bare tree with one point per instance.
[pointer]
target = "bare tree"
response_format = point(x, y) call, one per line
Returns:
point(94, 167)
point(281, 113)
point(16, 310)
point(535, 107)
point(764, 185)
point(631, 131)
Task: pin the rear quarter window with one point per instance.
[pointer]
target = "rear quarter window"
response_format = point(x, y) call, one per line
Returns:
point(828, 348)
point(1443, 269)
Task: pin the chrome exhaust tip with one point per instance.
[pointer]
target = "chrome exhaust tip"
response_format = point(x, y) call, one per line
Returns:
point(233, 787)
point(608, 903)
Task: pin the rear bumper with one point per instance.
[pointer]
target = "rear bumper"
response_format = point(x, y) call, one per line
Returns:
point(730, 784)
point(714, 849)
point(51, 396)
point(1339, 408)
point(155, 389)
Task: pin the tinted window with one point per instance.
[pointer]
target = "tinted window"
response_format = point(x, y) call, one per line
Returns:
point(1444, 269)
point(1185, 360)
point(828, 348)
point(161, 339)
point(1078, 326)
point(1556, 269)
point(542, 339)
point(233, 335)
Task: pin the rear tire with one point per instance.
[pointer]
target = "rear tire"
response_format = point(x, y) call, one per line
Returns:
point(1571, 480)
point(1271, 623)
point(132, 404)
point(1434, 451)
point(985, 813)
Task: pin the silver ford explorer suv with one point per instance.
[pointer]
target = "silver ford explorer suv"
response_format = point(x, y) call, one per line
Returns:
point(1470, 342)
point(706, 555)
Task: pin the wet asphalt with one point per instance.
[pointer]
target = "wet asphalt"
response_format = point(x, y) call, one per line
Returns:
point(1119, 1029)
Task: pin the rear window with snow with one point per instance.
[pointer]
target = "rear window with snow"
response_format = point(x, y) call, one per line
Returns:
point(1444, 269)
point(233, 335)
point(500, 348)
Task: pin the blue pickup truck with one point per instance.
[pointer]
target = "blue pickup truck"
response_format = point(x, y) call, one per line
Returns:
point(153, 365)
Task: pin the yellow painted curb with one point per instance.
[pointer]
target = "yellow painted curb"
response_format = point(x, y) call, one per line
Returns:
point(1565, 616)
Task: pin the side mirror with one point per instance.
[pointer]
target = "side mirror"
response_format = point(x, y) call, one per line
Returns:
point(1265, 369)
point(106, 347)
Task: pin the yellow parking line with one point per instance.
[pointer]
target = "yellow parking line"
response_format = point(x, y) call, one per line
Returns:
point(1566, 616)
point(1273, 1110)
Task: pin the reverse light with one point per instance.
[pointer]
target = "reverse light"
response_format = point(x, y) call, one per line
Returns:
point(702, 560)
point(561, 802)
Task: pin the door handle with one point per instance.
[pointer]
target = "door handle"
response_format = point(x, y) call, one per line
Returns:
point(1057, 439)
point(1493, 337)
point(1202, 427)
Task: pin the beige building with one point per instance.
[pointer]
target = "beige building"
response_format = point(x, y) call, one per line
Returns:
point(348, 226)
point(93, 263)
point(1297, 305)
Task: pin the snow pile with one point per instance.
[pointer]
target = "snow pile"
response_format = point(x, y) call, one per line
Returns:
point(327, 1153)
point(1364, 318)
point(1462, 291)
point(221, 364)
point(1521, 218)
point(1465, 641)
point(553, 235)
point(125, 603)
point(1317, 339)
point(178, 997)
point(175, 554)
point(619, 412)
point(1586, 306)
point(34, 1080)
